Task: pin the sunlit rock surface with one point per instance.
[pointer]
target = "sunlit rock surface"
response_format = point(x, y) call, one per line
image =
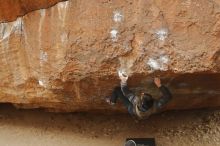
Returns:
point(11, 9)
point(66, 57)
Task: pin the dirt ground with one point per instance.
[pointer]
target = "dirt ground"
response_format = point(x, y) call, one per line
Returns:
point(38, 128)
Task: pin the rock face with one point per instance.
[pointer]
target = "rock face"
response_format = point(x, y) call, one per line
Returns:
point(11, 9)
point(66, 57)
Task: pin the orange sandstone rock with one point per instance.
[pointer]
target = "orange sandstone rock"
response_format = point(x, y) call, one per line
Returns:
point(66, 57)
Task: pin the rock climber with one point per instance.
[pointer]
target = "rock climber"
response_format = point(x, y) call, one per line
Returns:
point(145, 105)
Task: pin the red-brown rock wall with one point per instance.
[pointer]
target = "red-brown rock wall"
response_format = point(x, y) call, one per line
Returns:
point(12, 9)
point(66, 57)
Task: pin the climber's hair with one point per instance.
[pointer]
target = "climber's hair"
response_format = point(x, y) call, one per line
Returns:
point(146, 101)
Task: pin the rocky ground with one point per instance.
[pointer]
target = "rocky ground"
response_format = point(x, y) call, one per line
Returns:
point(38, 128)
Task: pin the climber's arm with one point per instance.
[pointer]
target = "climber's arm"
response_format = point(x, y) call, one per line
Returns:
point(124, 88)
point(166, 94)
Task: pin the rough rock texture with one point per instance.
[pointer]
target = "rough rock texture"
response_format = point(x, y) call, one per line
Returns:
point(11, 9)
point(66, 57)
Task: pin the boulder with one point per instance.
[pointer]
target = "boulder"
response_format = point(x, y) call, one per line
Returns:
point(66, 57)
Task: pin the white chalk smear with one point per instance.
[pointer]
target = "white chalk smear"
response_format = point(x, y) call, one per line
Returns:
point(114, 35)
point(18, 24)
point(64, 37)
point(6, 29)
point(122, 72)
point(153, 63)
point(160, 63)
point(43, 56)
point(41, 20)
point(162, 34)
point(42, 12)
point(63, 5)
point(62, 8)
point(42, 83)
point(117, 16)
point(164, 59)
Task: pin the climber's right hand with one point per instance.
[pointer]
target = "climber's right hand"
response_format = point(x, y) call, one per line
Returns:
point(157, 82)
point(123, 76)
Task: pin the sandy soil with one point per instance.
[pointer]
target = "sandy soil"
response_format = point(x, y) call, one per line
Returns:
point(38, 128)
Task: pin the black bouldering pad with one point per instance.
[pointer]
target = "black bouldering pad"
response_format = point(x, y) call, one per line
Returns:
point(141, 141)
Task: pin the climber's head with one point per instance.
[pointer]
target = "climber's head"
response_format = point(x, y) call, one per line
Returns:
point(146, 102)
